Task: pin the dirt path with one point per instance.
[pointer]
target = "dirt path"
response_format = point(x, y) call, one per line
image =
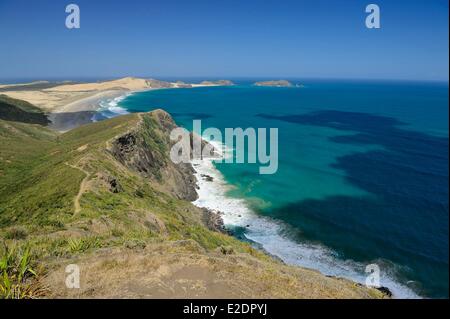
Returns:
point(83, 187)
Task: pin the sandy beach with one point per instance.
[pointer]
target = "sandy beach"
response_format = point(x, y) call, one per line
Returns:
point(76, 97)
point(83, 97)
point(88, 103)
point(71, 104)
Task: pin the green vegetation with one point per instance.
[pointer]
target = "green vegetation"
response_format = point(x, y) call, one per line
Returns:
point(21, 111)
point(42, 173)
point(18, 277)
point(81, 195)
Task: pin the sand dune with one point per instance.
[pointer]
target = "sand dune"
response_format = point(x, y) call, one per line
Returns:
point(79, 97)
point(76, 97)
point(128, 83)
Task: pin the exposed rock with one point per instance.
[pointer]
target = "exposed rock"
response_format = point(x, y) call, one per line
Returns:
point(145, 150)
point(207, 149)
point(154, 224)
point(226, 250)
point(107, 181)
point(115, 187)
point(157, 84)
point(213, 220)
point(207, 177)
point(385, 291)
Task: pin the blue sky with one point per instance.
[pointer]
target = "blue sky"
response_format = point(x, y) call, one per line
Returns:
point(252, 38)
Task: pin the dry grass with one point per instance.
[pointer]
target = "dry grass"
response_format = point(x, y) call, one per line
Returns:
point(184, 269)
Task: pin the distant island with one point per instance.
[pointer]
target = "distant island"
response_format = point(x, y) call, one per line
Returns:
point(279, 83)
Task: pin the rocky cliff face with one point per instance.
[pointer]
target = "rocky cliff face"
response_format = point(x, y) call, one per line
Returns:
point(145, 150)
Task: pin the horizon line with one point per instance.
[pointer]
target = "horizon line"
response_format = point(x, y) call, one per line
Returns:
point(210, 77)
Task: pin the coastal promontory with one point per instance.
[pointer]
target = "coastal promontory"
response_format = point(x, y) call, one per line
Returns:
point(122, 212)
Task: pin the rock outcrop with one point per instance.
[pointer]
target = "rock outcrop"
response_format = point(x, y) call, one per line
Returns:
point(145, 150)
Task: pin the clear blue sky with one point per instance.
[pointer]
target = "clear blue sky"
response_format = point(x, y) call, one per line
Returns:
point(253, 38)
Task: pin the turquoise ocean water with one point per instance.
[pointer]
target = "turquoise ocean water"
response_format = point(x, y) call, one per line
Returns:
point(362, 178)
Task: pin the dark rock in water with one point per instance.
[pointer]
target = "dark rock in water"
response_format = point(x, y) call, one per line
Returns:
point(385, 291)
point(207, 178)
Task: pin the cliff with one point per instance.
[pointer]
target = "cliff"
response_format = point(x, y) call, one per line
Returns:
point(106, 196)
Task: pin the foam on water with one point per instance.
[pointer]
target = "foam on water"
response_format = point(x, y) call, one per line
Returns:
point(268, 233)
point(110, 108)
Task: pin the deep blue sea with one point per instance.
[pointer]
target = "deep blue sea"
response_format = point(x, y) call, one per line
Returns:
point(362, 179)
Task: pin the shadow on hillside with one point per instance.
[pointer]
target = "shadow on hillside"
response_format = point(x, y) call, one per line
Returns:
point(70, 120)
point(11, 113)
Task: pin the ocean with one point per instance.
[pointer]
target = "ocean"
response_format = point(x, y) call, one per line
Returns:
point(362, 177)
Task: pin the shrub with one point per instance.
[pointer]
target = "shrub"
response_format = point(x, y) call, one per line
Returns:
point(18, 278)
point(16, 233)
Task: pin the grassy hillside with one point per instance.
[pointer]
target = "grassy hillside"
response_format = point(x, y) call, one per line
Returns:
point(21, 111)
point(106, 197)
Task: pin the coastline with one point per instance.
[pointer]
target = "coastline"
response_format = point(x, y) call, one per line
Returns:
point(62, 97)
point(268, 235)
point(97, 106)
point(264, 232)
point(89, 103)
point(82, 111)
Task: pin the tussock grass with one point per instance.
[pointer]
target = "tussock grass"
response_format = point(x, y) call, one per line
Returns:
point(16, 233)
point(79, 245)
point(19, 277)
